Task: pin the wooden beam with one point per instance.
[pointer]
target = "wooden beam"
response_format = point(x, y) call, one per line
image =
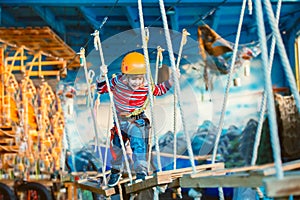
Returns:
point(96, 188)
point(43, 63)
point(289, 185)
point(235, 180)
point(148, 183)
point(44, 73)
point(189, 170)
point(218, 172)
point(271, 169)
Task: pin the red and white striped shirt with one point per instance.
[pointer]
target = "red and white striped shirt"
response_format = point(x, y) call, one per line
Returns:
point(126, 99)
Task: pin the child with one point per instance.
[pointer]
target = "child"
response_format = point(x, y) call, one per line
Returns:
point(130, 92)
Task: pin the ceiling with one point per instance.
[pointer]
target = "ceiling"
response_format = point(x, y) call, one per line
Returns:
point(74, 20)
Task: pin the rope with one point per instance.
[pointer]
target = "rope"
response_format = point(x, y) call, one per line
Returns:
point(250, 7)
point(264, 102)
point(153, 135)
point(264, 97)
point(283, 55)
point(221, 122)
point(176, 81)
point(182, 43)
point(99, 47)
point(158, 64)
point(107, 142)
point(88, 77)
point(97, 105)
point(268, 88)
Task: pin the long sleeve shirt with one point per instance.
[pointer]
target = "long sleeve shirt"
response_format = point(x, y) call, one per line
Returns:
point(126, 99)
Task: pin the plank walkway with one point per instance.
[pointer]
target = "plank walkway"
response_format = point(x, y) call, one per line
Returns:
point(41, 39)
point(250, 176)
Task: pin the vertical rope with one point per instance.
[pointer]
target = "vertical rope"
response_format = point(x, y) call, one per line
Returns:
point(158, 64)
point(182, 43)
point(176, 82)
point(116, 120)
point(221, 122)
point(283, 55)
point(97, 146)
point(264, 97)
point(107, 140)
point(268, 88)
point(264, 102)
point(145, 49)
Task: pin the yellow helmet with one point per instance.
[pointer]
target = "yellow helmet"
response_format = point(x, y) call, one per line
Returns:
point(133, 63)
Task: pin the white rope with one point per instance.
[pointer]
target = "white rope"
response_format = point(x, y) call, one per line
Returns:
point(283, 55)
point(176, 81)
point(158, 64)
point(264, 102)
point(221, 122)
point(97, 41)
point(182, 43)
point(150, 95)
point(88, 80)
point(107, 143)
point(264, 97)
point(250, 7)
point(269, 90)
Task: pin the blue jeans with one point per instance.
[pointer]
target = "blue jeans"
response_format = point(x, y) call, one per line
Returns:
point(136, 133)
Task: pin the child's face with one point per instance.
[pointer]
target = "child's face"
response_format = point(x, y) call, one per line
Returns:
point(135, 81)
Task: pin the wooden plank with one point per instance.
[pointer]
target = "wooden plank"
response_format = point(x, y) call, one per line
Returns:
point(11, 58)
point(43, 63)
point(271, 170)
point(41, 39)
point(96, 188)
point(189, 170)
point(148, 183)
point(44, 73)
point(289, 185)
point(234, 180)
point(219, 172)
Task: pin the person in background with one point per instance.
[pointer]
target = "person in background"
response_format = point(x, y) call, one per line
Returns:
point(130, 92)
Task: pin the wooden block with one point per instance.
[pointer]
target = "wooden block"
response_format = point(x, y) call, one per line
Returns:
point(45, 73)
point(179, 172)
point(289, 185)
point(234, 180)
point(96, 188)
point(271, 169)
point(148, 183)
point(40, 39)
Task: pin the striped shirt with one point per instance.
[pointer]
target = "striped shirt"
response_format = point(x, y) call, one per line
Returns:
point(126, 99)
